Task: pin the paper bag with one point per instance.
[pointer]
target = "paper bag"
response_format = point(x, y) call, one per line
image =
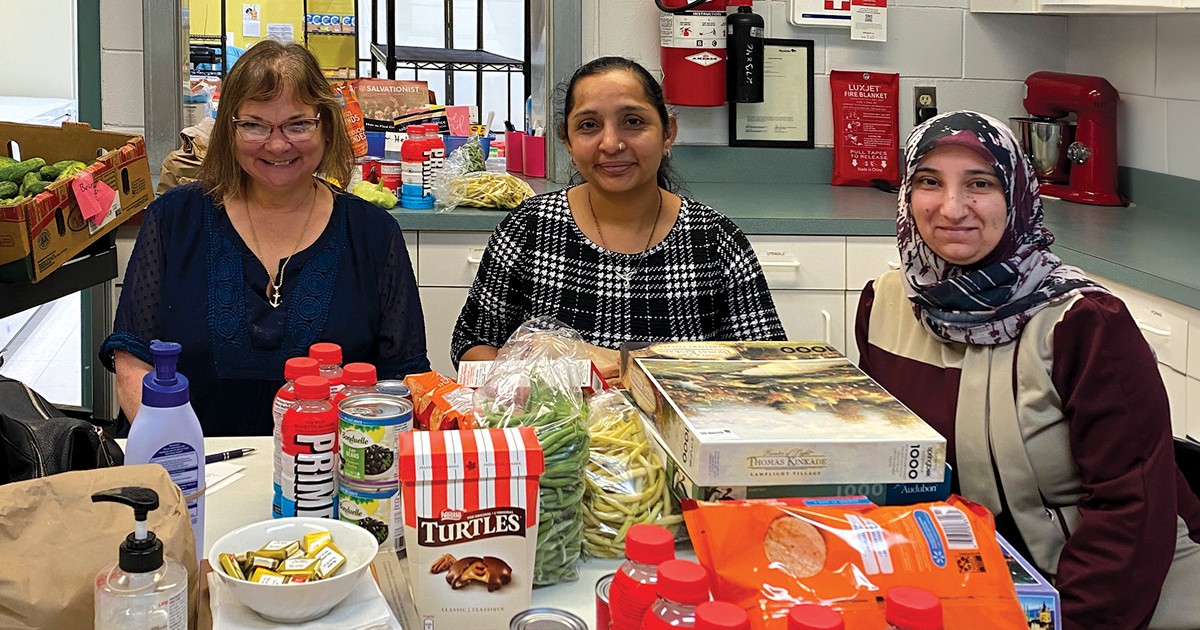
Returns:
point(54, 540)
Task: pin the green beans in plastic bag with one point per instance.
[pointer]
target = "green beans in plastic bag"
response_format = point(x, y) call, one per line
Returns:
point(531, 383)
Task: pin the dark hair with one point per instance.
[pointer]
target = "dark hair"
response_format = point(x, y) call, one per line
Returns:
point(265, 71)
point(564, 97)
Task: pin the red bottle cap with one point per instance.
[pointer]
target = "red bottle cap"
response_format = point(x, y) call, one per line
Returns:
point(649, 544)
point(721, 616)
point(312, 388)
point(682, 581)
point(362, 374)
point(911, 608)
point(326, 353)
point(814, 617)
point(296, 367)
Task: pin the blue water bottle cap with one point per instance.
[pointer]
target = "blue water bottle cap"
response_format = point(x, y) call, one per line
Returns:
point(164, 386)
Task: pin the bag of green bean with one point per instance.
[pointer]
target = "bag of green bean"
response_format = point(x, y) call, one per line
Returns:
point(531, 383)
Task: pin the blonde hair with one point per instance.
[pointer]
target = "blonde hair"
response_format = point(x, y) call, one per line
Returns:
point(267, 70)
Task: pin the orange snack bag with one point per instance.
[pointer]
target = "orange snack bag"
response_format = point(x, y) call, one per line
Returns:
point(420, 386)
point(768, 555)
point(353, 117)
point(450, 408)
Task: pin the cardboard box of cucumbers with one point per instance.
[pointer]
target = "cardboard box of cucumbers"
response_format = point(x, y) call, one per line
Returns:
point(73, 184)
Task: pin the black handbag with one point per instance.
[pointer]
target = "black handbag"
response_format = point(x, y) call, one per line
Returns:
point(36, 439)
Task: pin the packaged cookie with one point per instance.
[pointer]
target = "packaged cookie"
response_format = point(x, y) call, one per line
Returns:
point(470, 506)
point(845, 552)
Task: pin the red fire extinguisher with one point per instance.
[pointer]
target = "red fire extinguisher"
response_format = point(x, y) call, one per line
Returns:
point(692, 38)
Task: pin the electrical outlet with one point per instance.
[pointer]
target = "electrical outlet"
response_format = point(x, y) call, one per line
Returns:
point(924, 99)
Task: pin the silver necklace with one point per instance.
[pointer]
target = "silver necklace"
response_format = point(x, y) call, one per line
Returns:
point(627, 273)
point(275, 285)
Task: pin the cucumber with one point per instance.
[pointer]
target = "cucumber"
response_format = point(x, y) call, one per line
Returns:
point(15, 173)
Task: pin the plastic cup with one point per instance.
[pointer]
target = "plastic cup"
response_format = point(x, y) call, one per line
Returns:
point(534, 156)
point(376, 143)
point(514, 141)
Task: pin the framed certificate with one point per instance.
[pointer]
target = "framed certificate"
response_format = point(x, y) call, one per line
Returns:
point(785, 117)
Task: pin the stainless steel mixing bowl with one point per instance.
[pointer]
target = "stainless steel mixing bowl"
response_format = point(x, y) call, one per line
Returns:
point(1045, 142)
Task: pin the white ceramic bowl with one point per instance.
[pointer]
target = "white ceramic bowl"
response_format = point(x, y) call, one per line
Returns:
point(292, 603)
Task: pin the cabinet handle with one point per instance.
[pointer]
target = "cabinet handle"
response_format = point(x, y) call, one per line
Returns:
point(474, 260)
point(1161, 332)
point(791, 264)
point(826, 320)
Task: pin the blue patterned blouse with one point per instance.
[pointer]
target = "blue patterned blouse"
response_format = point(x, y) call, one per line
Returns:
point(193, 280)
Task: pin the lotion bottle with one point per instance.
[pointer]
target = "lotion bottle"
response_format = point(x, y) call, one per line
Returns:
point(167, 432)
point(142, 590)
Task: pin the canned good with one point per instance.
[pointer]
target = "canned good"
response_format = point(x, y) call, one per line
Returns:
point(377, 509)
point(366, 169)
point(603, 615)
point(368, 433)
point(393, 387)
point(389, 174)
point(546, 619)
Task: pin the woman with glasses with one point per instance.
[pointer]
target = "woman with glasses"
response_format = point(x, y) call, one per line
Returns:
point(261, 258)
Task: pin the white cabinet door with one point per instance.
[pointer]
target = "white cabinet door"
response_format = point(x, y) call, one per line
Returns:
point(411, 242)
point(1176, 385)
point(867, 257)
point(450, 259)
point(441, 306)
point(1193, 362)
point(802, 262)
point(1193, 408)
point(851, 350)
point(813, 316)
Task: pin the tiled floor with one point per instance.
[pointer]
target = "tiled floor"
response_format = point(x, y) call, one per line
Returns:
point(49, 359)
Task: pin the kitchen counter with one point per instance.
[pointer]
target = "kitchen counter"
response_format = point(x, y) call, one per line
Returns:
point(1143, 246)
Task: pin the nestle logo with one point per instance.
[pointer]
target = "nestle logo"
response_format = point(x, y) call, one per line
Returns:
point(452, 515)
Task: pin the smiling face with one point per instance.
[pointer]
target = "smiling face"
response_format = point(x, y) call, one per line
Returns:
point(958, 204)
point(614, 134)
point(278, 163)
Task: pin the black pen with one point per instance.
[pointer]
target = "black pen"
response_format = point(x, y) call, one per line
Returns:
point(220, 457)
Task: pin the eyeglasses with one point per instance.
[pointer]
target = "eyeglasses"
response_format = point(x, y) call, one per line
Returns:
point(293, 131)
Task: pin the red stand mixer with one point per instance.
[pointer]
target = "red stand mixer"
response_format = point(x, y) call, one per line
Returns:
point(1074, 162)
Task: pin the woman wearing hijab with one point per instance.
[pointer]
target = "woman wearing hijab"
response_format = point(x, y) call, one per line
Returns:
point(1051, 402)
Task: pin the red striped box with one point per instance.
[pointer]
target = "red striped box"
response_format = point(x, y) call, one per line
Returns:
point(470, 523)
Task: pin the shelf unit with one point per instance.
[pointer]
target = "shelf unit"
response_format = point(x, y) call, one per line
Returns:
point(448, 60)
point(213, 47)
point(206, 49)
point(340, 8)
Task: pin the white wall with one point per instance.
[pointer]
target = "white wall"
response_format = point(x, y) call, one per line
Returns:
point(122, 90)
point(976, 61)
point(1154, 62)
point(38, 49)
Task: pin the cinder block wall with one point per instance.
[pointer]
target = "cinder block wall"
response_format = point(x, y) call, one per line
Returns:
point(122, 89)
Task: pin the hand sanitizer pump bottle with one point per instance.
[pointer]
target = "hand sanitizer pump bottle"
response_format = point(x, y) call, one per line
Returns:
point(166, 431)
point(142, 590)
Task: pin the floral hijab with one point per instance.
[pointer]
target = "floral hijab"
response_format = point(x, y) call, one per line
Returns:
point(990, 301)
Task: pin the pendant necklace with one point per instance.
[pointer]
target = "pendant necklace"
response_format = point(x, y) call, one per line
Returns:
point(627, 273)
point(275, 284)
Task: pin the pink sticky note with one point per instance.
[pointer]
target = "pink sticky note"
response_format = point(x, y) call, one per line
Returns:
point(94, 198)
point(458, 117)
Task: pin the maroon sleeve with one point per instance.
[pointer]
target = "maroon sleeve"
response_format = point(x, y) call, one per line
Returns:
point(862, 325)
point(1113, 566)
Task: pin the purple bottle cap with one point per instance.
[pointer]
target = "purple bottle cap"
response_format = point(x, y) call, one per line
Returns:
point(164, 386)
